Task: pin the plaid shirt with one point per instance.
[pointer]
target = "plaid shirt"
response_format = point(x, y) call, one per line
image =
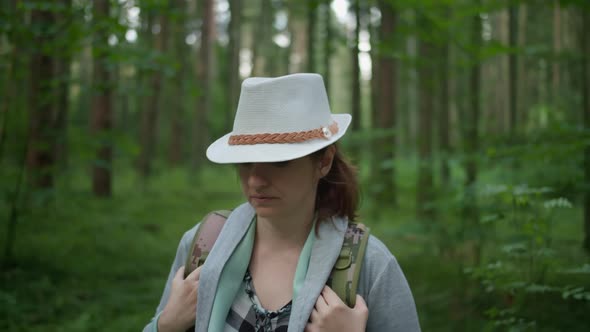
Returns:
point(248, 315)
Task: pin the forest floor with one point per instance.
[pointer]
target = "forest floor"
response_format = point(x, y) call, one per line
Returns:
point(85, 264)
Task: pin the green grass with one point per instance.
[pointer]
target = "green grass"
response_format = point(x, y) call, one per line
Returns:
point(85, 264)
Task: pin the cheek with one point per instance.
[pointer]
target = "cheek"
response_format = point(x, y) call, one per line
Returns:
point(306, 183)
point(243, 181)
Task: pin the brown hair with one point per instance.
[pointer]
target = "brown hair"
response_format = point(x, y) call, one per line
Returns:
point(338, 191)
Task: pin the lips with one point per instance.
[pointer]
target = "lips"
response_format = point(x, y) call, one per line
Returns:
point(261, 198)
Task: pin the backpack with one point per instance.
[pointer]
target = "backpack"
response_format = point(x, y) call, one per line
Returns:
point(345, 273)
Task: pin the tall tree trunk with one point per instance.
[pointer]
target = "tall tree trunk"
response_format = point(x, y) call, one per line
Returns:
point(311, 34)
point(471, 136)
point(386, 114)
point(42, 139)
point(14, 205)
point(235, 26)
point(375, 38)
point(424, 190)
point(409, 112)
point(177, 39)
point(150, 114)
point(513, 67)
point(328, 45)
point(443, 119)
point(205, 76)
point(356, 79)
point(62, 104)
point(7, 103)
point(499, 102)
point(585, 80)
point(262, 40)
point(556, 75)
point(9, 90)
point(522, 103)
point(102, 117)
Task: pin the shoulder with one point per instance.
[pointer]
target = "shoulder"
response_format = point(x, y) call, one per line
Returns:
point(188, 236)
point(386, 291)
point(379, 265)
point(377, 255)
point(185, 243)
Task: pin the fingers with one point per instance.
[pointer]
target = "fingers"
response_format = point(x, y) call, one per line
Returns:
point(179, 273)
point(361, 307)
point(330, 296)
point(196, 274)
point(321, 305)
point(360, 303)
point(315, 315)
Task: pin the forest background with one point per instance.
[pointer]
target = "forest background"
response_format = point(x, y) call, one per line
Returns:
point(470, 128)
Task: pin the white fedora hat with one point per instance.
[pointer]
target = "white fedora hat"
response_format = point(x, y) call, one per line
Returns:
point(280, 119)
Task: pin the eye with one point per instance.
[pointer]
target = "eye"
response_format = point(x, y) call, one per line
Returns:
point(281, 164)
point(244, 166)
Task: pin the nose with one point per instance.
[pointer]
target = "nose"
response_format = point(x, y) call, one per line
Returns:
point(256, 175)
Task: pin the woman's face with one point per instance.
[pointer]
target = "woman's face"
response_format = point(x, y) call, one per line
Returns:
point(282, 188)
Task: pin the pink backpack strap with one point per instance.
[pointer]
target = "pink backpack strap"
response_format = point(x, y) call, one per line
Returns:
point(204, 239)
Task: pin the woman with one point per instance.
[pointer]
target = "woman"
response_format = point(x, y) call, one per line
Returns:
point(269, 266)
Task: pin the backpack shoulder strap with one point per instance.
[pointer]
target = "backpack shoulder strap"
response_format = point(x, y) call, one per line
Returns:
point(204, 239)
point(346, 272)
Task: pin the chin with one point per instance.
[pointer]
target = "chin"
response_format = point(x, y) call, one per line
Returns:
point(266, 212)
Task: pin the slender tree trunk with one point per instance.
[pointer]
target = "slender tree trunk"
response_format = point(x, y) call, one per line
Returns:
point(205, 75)
point(522, 103)
point(311, 34)
point(6, 104)
point(177, 130)
point(62, 111)
point(356, 79)
point(513, 67)
point(328, 45)
point(585, 80)
point(556, 75)
point(443, 121)
point(62, 104)
point(471, 137)
point(235, 26)
point(499, 102)
point(262, 39)
point(40, 153)
point(376, 153)
point(9, 91)
point(444, 126)
point(102, 117)
point(150, 115)
point(14, 205)
point(386, 115)
point(424, 190)
point(408, 113)
point(375, 38)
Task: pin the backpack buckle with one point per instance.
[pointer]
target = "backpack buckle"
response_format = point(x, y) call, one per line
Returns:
point(344, 259)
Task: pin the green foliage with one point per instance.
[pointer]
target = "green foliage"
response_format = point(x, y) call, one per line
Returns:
point(88, 265)
point(501, 254)
point(527, 267)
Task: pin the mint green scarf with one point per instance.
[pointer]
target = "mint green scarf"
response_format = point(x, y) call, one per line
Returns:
point(234, 270)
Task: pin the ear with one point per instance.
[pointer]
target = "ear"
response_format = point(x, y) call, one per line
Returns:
point(326, 160)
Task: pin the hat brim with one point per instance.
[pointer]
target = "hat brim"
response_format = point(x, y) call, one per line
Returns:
point(222, 153)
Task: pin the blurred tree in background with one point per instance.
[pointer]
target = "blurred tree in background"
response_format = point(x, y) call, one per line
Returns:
point(471, 133)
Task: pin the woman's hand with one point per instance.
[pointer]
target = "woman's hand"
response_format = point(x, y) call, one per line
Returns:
point(179, 313)
point(332, 314)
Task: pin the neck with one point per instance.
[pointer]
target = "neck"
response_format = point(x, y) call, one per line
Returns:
point(286, 231)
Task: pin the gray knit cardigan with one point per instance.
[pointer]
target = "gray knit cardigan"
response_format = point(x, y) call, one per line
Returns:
point(382, 283)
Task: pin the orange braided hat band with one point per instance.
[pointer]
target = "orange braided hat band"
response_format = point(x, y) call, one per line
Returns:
point(292, 137)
